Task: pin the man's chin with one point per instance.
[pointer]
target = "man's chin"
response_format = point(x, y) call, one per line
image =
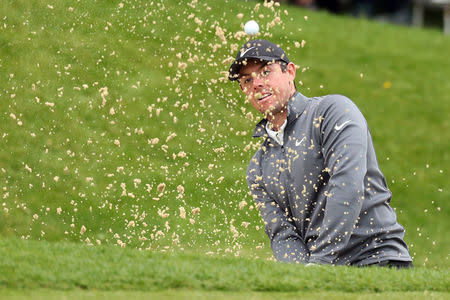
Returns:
point(270, 112)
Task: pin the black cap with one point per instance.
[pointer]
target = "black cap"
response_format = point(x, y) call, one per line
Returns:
point(256, 49)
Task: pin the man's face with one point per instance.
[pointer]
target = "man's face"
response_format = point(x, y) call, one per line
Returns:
point(266, 86)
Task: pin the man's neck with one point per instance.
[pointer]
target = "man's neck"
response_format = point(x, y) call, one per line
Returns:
point(277, 120)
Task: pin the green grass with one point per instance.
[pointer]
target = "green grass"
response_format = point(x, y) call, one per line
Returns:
point(35, 265)
point(72, 158)
point(190, 294)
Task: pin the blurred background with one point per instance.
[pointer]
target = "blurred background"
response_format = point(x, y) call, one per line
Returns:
point(429, 13)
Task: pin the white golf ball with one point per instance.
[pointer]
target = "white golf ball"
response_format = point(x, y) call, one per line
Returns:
point(251, 27)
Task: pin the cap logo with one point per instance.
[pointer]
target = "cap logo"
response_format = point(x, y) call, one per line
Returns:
point(243, 53)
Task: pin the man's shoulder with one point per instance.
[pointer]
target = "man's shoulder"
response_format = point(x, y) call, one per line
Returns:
point(253, 167)
point(332, 99)
point(324, 100)
point(259, 152)
point(334, 102)
point(317, 105)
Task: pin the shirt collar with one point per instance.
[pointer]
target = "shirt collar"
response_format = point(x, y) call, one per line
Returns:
point(276, 135)
point(296, 106)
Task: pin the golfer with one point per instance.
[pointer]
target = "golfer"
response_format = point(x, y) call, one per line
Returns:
point(315, 177)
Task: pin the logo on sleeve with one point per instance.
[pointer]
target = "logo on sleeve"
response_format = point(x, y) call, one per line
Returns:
point(339, 127)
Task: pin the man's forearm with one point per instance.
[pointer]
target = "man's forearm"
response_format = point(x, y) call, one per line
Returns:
point(287, 245)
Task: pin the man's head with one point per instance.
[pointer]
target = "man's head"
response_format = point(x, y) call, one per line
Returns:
point(266, 76)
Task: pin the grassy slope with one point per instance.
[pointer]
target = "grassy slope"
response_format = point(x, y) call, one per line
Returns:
point(66, 266)
point(190, 294)
point(94, 159)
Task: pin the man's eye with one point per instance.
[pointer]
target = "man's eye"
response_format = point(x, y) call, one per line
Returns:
point(266, 72)
point(247, 80)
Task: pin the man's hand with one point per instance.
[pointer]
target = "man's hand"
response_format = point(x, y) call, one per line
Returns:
point(311, 265)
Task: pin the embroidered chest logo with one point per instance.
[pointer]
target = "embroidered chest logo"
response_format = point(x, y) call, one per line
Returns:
point(298, 143)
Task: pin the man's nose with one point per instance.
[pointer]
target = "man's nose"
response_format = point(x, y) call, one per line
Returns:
point(258, 81)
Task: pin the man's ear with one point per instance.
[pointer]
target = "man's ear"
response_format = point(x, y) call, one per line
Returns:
point(291, 69)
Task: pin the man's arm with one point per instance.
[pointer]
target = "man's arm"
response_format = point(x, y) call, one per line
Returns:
point(344, 136)
point(285, 242)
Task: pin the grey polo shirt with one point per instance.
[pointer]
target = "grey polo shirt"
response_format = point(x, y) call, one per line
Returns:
point(321, 193)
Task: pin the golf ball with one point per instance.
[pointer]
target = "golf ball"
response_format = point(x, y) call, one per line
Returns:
point(251, 28)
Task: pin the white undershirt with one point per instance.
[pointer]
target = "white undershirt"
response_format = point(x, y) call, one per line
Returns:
point(276, 135)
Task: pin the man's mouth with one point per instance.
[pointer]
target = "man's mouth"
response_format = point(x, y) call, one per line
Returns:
point(262, 97)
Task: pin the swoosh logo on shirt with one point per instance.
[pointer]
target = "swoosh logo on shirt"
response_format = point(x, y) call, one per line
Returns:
point(339, 127)
point(243, 53)
point(297, 143)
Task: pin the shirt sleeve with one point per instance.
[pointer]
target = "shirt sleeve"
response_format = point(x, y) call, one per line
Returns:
point(343, 134)
point(286, 243)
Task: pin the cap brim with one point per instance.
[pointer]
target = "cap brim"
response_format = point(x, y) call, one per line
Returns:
point(233, 73)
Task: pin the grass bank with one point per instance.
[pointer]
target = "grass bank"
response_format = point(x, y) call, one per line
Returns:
point(33, 265)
